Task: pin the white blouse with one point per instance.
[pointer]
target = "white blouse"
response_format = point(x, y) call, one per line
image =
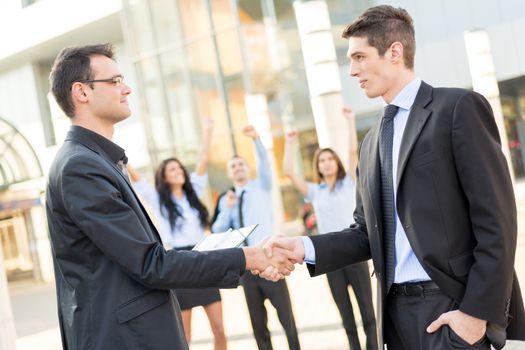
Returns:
point(188, 230)
point(334, 209)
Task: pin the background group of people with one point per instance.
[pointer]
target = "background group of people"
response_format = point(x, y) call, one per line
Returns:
point(183, 220)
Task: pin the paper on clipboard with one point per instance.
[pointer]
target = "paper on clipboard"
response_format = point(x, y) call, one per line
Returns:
point(228, 239)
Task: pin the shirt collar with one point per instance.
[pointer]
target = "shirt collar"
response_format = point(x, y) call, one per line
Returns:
point(406, 97)
point(111, 149)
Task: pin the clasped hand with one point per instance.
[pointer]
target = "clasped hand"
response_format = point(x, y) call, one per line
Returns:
point(282, 254)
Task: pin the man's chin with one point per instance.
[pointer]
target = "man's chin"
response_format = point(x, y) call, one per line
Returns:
point(124, 116)
point(240, 179)
point(371, 94)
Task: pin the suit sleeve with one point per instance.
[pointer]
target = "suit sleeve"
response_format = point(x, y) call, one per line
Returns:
point(339, 249)
point(485, 179)
point(93, 199)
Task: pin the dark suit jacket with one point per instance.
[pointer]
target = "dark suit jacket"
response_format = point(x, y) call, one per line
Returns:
point(455, 201)
point(113, 276)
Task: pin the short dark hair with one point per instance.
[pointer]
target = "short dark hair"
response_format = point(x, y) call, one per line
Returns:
point(381, 26)
point(71, 65)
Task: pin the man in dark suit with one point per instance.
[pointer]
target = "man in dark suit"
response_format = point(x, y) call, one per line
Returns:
point(113, 276)
point(435, 204)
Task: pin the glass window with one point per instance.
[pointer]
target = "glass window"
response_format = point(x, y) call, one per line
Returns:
point(138, 13)
point(283, 10)
point(166, 20)
point(229, 51)
point(222, 15)
point(250, 11)
point(239, 119)
point(195, 21)
point(160, 139)
point(256, 54)
point(343, 12)
point(183, 116)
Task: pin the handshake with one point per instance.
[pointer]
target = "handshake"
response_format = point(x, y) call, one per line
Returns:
point(275, 257)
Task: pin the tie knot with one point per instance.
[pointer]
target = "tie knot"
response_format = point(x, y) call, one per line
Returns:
point(390, 111)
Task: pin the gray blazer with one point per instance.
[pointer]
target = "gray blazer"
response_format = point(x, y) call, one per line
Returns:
point(113, 276)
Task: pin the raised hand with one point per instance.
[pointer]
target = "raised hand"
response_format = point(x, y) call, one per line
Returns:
point(249, 130)
point(292, 135)
point(348, 113)
point(231, 199)
point(207, 130)
point(208, 124)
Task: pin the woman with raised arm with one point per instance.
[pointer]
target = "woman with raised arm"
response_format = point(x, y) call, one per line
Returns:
point(333, 198)
point(182, 219)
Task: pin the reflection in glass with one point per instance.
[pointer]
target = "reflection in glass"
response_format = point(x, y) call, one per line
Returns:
point(166, 22)
point(229, 51)
point(152, 89)
point(222, 15)
point(194, 20)
point(185, 77)
point(141, 28)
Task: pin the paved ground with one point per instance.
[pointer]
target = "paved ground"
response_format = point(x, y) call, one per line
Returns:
point(34, 307)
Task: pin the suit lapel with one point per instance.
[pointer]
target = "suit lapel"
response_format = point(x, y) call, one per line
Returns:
point(87, 142)
point(416, 121)
point(144, 211)
point(373, 179)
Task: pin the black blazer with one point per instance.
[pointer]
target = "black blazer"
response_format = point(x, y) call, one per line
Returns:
point(112, 273)
point(455, 201)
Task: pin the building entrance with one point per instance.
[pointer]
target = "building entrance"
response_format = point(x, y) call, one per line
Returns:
point(21, 214)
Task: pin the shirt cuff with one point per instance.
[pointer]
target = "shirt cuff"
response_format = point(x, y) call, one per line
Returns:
point(309, 251)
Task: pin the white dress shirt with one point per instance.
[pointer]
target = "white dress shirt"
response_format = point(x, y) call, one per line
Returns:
point(408, 268)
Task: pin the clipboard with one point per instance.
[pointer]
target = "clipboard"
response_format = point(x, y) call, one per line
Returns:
point(229, 239)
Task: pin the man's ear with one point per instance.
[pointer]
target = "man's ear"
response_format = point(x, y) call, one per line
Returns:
point(78, 93)
point(396, 52)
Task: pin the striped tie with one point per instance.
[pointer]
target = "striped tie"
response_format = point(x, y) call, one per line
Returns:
point(388, 208)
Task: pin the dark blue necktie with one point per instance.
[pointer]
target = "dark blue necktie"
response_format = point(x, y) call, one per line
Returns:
point(388, 208)
point(241, 219)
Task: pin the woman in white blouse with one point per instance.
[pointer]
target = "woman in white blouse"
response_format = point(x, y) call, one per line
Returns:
point(333, 198)
point(183, 218)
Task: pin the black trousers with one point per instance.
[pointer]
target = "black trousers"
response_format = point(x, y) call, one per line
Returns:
point(256, 291)
point(358, 277)
point(407, 318)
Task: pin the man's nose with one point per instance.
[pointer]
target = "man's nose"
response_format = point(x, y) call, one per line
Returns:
point(353, 70)
point(126, 90)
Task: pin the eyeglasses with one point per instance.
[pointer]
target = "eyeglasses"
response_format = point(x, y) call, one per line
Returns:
point(117, 81)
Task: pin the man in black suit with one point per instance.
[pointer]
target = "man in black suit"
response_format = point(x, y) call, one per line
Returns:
point(113, 276)
point(435, 204)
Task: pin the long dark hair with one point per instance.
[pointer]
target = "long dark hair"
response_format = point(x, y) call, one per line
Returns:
point(164, 190)
point(318, 177)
